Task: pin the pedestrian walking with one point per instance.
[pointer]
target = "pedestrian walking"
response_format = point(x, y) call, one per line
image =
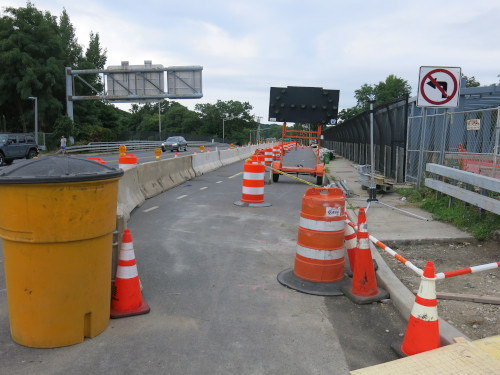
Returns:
point(63, 144)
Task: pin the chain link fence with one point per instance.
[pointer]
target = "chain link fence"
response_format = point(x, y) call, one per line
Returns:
point(466, 140)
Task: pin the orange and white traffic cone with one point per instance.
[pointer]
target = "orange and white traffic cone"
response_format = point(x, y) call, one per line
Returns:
point(422, 332)
point(364, 282)
point(127, 297)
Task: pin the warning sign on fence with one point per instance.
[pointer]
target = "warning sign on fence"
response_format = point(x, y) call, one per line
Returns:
point(474, 124)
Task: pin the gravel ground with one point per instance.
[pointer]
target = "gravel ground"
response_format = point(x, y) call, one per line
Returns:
point(474, 319)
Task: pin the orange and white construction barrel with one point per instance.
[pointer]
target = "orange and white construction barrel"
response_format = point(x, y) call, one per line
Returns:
point(253, 183)
point(320, 256)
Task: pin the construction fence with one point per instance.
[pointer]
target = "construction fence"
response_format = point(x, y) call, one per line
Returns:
point(466, 140)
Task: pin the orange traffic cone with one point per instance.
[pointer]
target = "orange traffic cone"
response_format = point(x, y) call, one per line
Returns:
point(127, 297)
point(422, 333)
point(364, 283)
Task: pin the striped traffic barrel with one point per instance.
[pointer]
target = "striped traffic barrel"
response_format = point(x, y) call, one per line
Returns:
point(320, 243)
point(268, 156)
point(253, 180)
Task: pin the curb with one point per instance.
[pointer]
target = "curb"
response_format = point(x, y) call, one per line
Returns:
point(403, 299)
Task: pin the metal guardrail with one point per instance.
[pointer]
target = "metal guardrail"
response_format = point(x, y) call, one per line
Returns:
point(103, 147)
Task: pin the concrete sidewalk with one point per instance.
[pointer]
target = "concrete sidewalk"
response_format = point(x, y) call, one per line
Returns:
point(385, 219)
point(394, 221)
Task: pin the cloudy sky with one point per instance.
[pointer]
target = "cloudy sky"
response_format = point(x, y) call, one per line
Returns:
point(246, 47)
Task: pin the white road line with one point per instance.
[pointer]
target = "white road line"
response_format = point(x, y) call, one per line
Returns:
point(151, 209)
point(204, 187)
point(237, 174)
point(219, 182)
point(182, 196)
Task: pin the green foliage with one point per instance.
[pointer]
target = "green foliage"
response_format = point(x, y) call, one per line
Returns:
point(479, 223)
point(385, 91)
point(237, 124)
point(470, 82)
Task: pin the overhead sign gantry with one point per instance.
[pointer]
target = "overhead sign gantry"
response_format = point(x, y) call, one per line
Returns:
point(136, 83)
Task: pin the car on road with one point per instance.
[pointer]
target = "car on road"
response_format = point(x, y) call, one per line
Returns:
point(176, 143)
point(17, 146)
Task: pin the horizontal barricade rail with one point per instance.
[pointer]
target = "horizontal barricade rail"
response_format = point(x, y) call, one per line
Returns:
point(420, 272)
point(468, 178)
point(103, 147)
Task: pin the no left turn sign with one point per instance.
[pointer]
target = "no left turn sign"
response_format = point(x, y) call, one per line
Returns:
point(438, 87)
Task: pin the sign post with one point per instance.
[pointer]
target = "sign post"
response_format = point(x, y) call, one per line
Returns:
point(438, 87)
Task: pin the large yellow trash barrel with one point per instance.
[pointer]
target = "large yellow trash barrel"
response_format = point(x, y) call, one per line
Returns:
point(56, 223)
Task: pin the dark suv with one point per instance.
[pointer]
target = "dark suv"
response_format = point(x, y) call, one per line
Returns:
point(17, 146)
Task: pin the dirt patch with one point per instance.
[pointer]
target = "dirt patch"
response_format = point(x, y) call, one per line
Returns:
point(476, 320)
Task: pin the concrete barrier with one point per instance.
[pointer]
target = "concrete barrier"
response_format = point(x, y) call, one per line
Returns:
point(229, 156)
point(206, 162)
point(130, 194)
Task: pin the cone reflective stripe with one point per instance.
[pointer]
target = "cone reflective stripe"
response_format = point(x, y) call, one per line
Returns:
point(127, 297)
point(268, 154)
point(422, 332)
point(320, 243)
point(351, 244)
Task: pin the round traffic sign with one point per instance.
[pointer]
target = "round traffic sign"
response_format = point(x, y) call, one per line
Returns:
point(432, 82)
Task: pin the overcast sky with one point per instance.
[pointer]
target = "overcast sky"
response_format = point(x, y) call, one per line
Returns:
point(246, 47)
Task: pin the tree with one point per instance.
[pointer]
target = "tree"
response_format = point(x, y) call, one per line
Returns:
point(385, 91)
point(391, 89)
point(31, 57)
point(470, 82)
point(236, 129)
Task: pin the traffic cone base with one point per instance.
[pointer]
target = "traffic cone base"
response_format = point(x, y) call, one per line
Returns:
point(289, 279)
point(364, 287)
point(142, 309)
point(362, 300)
point(246, 204)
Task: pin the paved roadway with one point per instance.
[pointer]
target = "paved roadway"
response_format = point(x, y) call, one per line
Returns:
point(145, 156)
point(208, 268)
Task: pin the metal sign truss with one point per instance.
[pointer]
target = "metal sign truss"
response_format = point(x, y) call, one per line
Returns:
point(137, 83)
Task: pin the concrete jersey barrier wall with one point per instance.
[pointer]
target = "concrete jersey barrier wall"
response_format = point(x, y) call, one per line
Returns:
point(206, 162)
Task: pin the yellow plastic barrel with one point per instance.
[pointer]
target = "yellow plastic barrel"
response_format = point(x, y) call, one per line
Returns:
point(56, 223)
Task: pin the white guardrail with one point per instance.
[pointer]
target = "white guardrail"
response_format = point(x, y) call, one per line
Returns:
point(97, 147)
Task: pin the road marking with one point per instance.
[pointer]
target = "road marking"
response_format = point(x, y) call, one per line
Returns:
point(151, 209)
point(237, 174)
point(219, 182)
point(204, 187)
point(182, 196)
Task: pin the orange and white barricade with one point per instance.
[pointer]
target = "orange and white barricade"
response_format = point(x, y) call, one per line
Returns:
point(320, 256)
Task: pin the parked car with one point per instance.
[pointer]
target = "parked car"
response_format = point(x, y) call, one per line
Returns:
point(17, 146)
point(177, 143)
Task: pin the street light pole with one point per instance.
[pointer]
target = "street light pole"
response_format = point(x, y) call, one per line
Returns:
point(36, 116)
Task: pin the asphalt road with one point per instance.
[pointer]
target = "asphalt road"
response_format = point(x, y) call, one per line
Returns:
point(208, 269)
point(144, 156)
